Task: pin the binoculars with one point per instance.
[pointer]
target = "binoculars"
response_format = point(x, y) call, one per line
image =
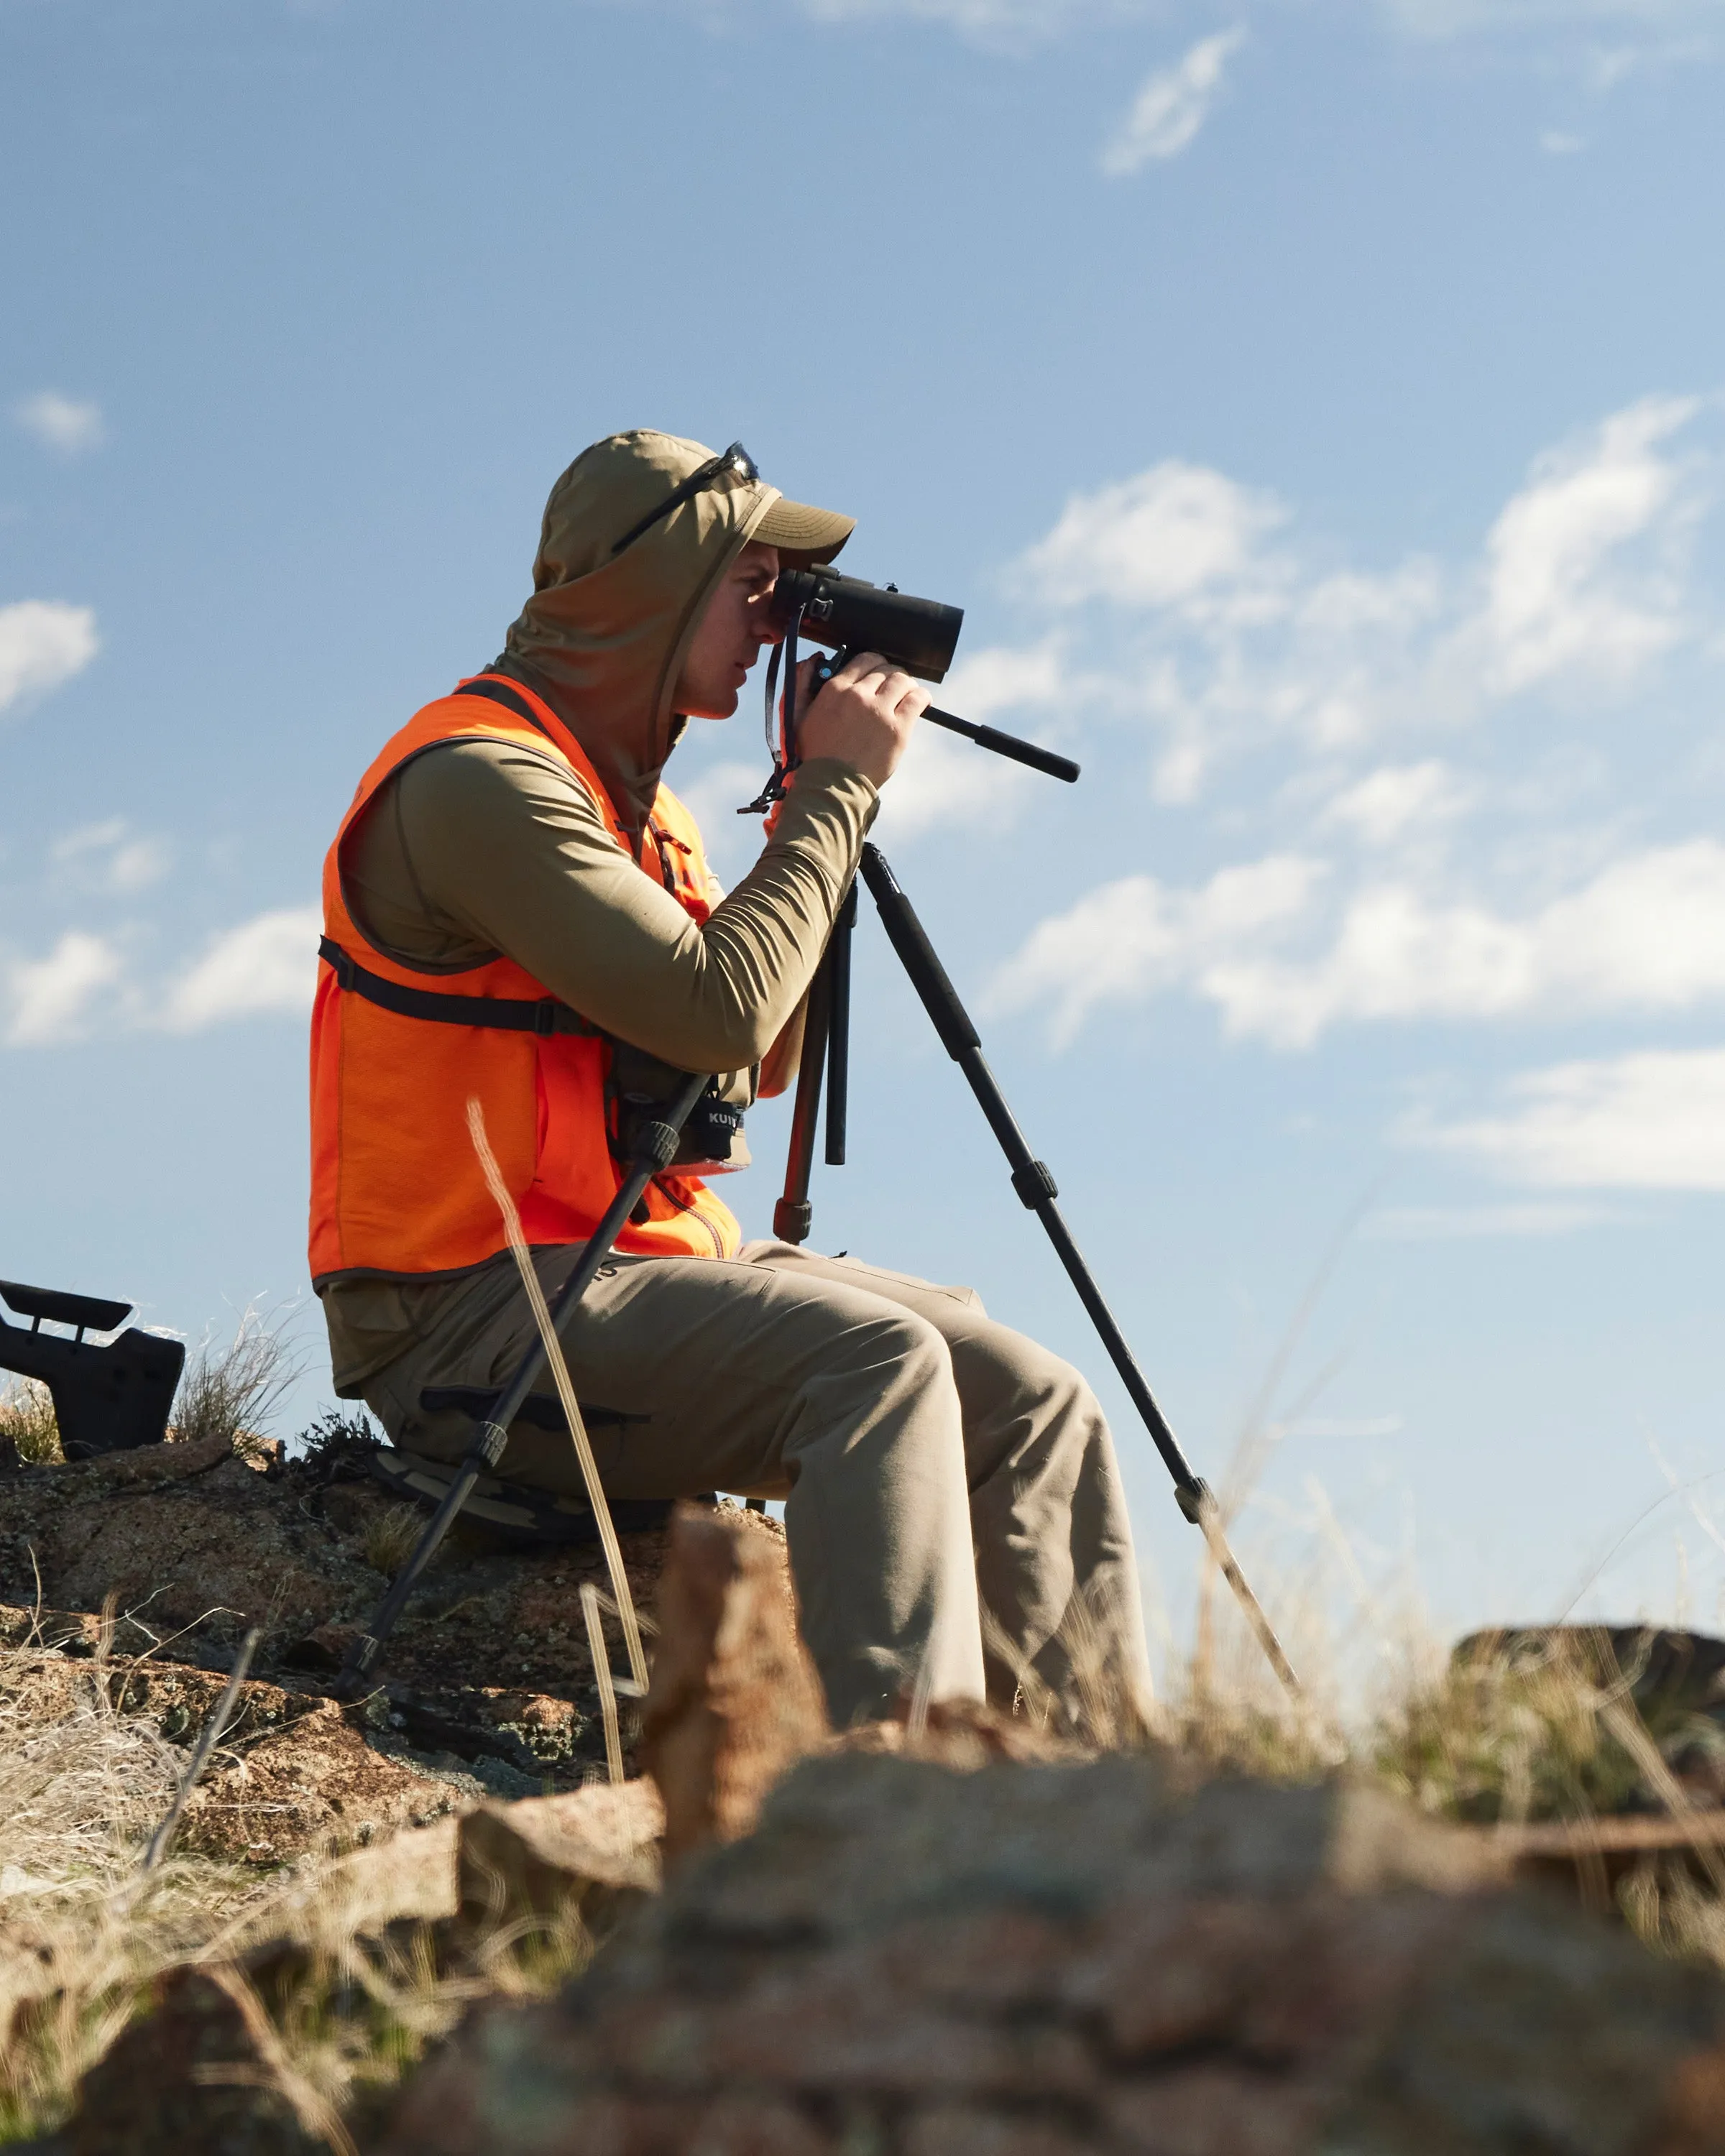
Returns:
point(918, 636)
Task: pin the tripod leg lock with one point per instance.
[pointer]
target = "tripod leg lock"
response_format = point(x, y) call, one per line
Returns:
point(792, 1220)
point(489, 1444)
point(354, 1675)
point(1192, 1498)
point(655, 1146)
point(1034, 1184)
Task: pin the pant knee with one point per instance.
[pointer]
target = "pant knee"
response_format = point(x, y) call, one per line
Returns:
point(902, 1353)
point(1023, 1383)
point(885, 1405)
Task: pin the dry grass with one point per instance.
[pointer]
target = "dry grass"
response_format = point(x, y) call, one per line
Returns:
point(78, 1799)
point(84, 1931)
point(392, 1537)
point(27, 1418)
point(234, 1390)
point(1511, 1738)
point(352, 2014)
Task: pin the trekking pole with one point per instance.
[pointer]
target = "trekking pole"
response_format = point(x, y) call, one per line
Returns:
point(655, 1147)
point(1037, 1191)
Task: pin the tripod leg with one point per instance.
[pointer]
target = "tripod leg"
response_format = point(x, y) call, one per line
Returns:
point(1037, 1191)
point(794, 1214)
point(838, 963)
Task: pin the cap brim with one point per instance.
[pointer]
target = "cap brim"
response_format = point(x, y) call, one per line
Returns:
point(795, 527)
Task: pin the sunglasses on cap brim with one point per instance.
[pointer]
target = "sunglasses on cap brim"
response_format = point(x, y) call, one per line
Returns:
point(734, 463)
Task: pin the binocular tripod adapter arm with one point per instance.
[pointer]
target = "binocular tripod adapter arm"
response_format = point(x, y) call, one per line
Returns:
point(1037, 1191)
point(1020, 752)
point(1041, 759)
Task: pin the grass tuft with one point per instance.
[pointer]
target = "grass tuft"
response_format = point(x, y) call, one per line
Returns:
point(27, 1418)
point(234, 1390)
point(392, 1537)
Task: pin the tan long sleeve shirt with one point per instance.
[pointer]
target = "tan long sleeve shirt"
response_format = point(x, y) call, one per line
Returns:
point(478, 847)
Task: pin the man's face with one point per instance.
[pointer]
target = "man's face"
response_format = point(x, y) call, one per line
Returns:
point(729, 635)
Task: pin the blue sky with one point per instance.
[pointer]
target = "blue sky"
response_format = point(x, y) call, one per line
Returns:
point(1316, 409)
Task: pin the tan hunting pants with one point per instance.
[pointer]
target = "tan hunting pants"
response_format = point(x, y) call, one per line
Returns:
point(932, 1463)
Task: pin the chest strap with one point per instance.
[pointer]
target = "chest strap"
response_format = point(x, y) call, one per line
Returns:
point(544, 1015)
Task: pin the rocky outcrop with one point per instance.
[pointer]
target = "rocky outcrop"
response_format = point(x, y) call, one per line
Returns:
point(942, 1935)
point(205, 2068)
point(487, 1689)
point(1040, 1961)
point(734, 1699)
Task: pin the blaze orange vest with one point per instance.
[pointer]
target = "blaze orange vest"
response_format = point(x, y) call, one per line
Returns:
point(396, 1186)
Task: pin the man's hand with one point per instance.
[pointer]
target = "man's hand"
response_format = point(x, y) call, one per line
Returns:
point(863, 715)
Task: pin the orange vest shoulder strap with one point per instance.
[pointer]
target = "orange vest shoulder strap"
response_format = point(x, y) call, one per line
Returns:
point(529, 720)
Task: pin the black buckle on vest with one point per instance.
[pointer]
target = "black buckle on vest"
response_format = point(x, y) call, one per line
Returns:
point(545, 1016)
point(337, 960)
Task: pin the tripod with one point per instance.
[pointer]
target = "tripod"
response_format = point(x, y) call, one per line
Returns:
point(826, 1043)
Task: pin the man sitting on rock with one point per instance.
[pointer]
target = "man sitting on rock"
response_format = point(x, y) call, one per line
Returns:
point(517, 909)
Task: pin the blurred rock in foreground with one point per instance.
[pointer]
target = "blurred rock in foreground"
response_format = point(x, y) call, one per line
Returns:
point(1044, 1960)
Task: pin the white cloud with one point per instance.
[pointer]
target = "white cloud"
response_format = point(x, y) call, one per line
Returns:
point(1560, 592)
point(266, 965)
point(1131, 938)
point(68, 424)
point(1556, 143)
point(43, 643)
point(1167, 538)
point(1396, 799)
point(945, 782)
point(998, 678)
point(50, 996)
point(1213, 631)
point(1654, 1121)
point(1647, 933)
point(1642, 31)
point(1172, 105)
point(109, 856)
point(1220, 629)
